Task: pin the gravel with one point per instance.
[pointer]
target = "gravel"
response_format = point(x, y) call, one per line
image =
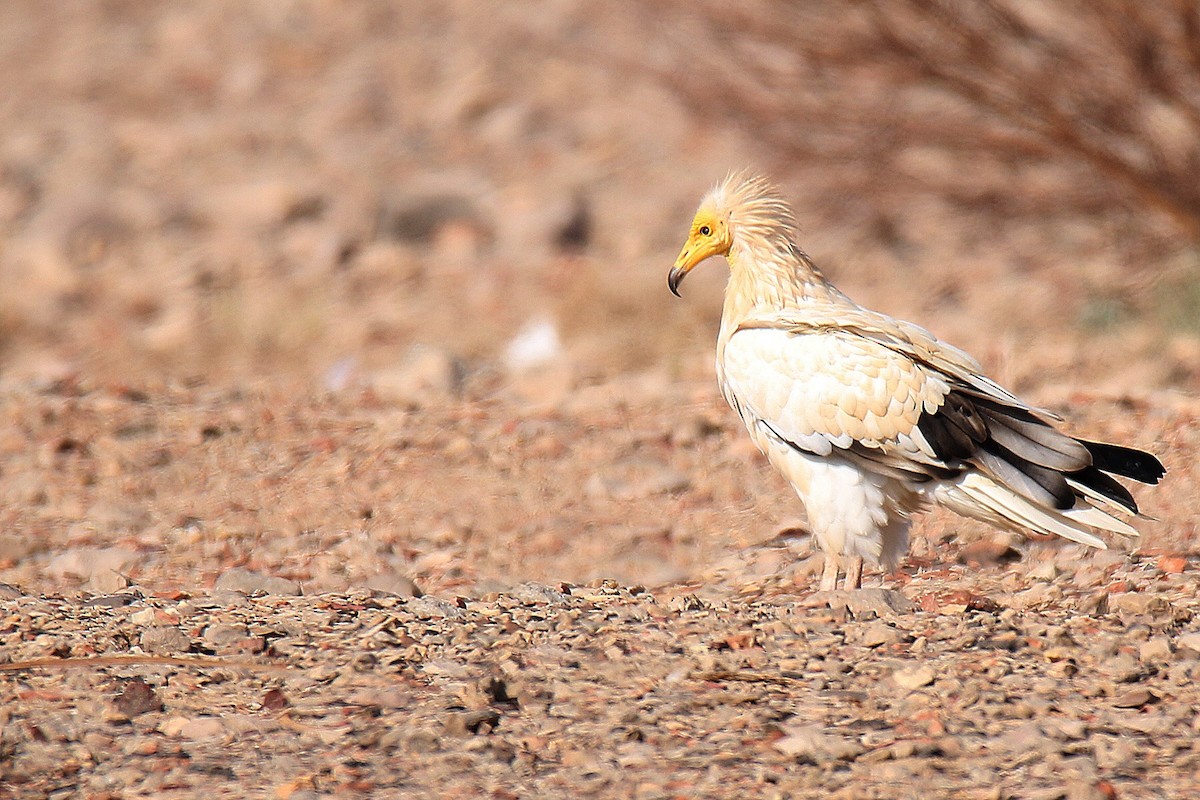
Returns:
point(573, 690)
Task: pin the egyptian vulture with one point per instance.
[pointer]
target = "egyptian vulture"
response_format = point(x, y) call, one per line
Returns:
point(871, 418)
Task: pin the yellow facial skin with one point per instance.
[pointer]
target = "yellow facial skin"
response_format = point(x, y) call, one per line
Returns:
point(709, 237)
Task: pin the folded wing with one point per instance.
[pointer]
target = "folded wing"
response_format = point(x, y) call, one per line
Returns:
point(891, 398)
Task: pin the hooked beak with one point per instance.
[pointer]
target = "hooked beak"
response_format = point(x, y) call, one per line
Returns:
point(689, 258)
point(674, 278)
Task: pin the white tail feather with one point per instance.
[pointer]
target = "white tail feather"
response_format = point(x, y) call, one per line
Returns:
point(1099, 518)
point(977, 496)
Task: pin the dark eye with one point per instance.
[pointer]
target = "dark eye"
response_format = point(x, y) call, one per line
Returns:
point(705, 230)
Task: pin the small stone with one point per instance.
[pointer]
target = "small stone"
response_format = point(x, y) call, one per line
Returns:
point(165, 640)
point(1023, 738)
point(987, 552)
point(144, 618)
point(1148, 723)
point(1172, 564)
point(137, 697)
point(817, 746)
point(1045, 571)
point(1155, 650)
point(1066, 728)
point(432, 608)
point(1036, 596)
point(222, 634)
point(1124, 669)
point(394, 583)
point(1112, 752)
point(1085, 790)
point(194, 728)
point(1095, 603)
point(1189, 641)
point(1135, 698)
point(536, 344)
point(537, 594)
point(246, 582)
point(118, 600)
point(469, 723)
point(1137, 603)
point(275, 700)
point(108, 581)
point(863, 603)
point(173, 725)
point(877, 634)
point(139, 746)
point(914, 678)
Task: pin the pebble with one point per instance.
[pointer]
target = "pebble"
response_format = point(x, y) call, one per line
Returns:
point(195, 729)
point(1155, 650)
point(165, 640)
point(1124, 668)
point(246, 582)
point(107, 581)
point(119, 600)
point(1065, 728)
point(145, 617)
point(1134, 698)
point(868, 602)
point(469, 723)
point(1086, 790)
point(139, 745)
point(1189, 641)
point(432, 608)
point(877, 634)
point(1045, 571)
point(1138, 604)
point(1027, 736)
point(222, 634)
point(395, 584)
point(914, 678)
point(817, 746)
point(137, 697)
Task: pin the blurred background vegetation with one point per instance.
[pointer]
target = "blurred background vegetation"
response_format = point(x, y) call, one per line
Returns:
point(438, 196)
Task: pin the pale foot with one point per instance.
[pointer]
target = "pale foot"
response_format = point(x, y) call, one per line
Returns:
point(829, 575)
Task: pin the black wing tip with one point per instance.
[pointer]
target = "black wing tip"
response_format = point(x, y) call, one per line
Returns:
point(1125, 461)
point(1099, 482)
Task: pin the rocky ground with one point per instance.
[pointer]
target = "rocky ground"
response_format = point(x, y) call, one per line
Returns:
point(608, 691)
point(244, 594)
point(352, 446)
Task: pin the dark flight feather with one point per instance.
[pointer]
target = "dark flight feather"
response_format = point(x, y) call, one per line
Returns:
point(1125, 461)
point(1030, 456)
point(1105, 486)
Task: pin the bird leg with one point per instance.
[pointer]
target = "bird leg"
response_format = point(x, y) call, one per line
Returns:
point(854, 569)
point(829, 575)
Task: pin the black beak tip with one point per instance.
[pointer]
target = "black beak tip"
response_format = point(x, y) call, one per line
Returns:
point(674, 278)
